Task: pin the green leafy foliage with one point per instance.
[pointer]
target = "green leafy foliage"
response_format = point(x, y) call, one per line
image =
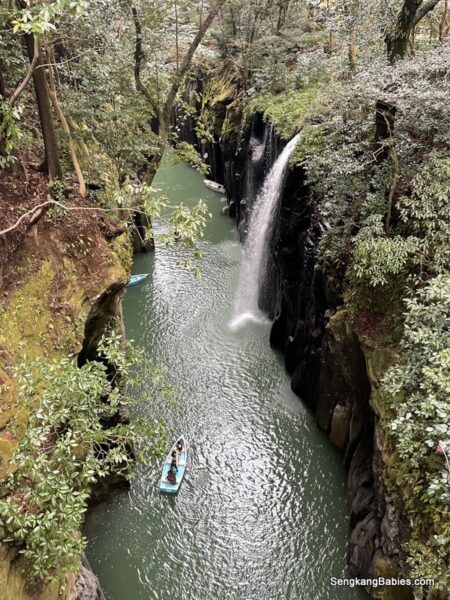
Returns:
point(185, 226)
point(311, 143)
point(67, 448)
point(186, 152)
point(377, 257)
point(10, 133)
point(178, 223)
point(41, 18)
point(288, 111)
point(421, 247)
point(426, 215)
point(419, 388)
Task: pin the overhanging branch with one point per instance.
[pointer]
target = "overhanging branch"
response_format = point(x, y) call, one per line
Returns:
point(424, 9)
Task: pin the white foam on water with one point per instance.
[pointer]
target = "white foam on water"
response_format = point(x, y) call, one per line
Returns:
point(244, 318)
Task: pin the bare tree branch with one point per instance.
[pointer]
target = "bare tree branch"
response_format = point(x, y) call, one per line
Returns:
point(39, 209)
point(424, 9)
point(138, 57)
point(20, 88)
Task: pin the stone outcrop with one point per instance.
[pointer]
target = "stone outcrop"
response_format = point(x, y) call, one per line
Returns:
point(87, 585)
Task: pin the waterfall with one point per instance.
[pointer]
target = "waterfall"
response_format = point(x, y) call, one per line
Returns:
point(256, 244)
point(257, 153)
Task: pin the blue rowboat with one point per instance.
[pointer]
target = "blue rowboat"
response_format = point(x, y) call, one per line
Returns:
point(135, 279)
point(165, 486)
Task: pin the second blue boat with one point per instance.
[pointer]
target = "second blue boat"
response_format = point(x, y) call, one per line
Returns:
point(135, 279)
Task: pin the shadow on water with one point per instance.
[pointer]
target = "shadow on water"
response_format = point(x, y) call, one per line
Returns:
point(263, 510)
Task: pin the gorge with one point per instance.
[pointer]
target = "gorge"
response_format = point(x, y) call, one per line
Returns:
point(263, 509)
point(335, 370)
point(295, 328)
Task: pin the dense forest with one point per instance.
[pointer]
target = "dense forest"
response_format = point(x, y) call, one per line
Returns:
point(93, 94)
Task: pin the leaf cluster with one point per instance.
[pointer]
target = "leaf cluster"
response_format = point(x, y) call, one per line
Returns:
point(67, 448)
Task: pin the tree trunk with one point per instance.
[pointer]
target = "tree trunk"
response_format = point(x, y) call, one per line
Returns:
point(397, 40)
point(384, 129)
point(52, 158)
point(352, 50)
point(2, 99)
point(163, 135)
point(2, 81)
point(64, 124)
point(411, 13)
point(141, 241)
point(443, 22)
point(385, 147)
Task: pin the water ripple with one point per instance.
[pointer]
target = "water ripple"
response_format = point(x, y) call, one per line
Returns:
point(262, 512)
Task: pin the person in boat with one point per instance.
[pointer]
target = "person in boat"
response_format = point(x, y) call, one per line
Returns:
point(179, 446)
point(171, 475)
point(174, 461)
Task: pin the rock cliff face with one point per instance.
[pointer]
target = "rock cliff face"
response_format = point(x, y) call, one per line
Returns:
point(61, 287)
point(334, 370)
point(86, 585)
point(185, 125)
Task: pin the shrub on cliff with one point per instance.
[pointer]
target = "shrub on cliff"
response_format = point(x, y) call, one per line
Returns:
point(66, 450)
point(420, 389)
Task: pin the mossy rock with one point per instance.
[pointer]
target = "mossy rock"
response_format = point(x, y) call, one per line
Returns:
point(288, 111)
point(26, 323)
point(7, 447)
point(379, 359)
point(383, 568)
point(338, 319)
point(122, 248)
point(232, 126)
point(222, 90)
point(312, 142)
point(14, 582)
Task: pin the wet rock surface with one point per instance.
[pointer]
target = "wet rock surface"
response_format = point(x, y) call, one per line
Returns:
point(87, 585)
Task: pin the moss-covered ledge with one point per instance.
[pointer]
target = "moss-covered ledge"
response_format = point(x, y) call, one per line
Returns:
point(57, 277)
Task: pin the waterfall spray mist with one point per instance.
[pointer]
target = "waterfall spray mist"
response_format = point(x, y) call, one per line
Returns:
point(256, 245)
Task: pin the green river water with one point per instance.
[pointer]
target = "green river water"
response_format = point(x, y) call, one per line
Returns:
point(263, 511)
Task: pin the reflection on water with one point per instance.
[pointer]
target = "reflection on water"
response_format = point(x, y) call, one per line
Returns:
point(262, 512)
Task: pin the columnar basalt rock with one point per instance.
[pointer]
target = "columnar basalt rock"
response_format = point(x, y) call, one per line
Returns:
point(334, 372)
point(87, 586)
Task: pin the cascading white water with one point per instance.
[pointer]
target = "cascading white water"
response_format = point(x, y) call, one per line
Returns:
point(255, 246)
point(257, 149)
